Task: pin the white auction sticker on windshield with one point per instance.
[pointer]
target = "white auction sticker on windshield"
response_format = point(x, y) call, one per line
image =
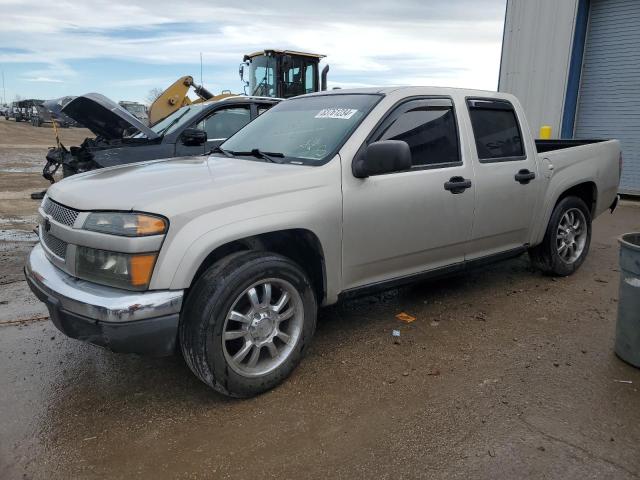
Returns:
point(342, 113)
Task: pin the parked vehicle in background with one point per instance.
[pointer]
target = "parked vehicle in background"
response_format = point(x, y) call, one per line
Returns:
point(325, 196)
point(55, 107)
point(14, 113)
point(136, 109)
point(266, 73)
point(121, 138)
point(20, 111)
point(40, 115)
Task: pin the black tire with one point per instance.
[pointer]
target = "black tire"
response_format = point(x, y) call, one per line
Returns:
point(545, 256)
point(207, 306)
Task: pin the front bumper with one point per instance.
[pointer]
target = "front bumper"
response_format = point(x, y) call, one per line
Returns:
point(122, 321)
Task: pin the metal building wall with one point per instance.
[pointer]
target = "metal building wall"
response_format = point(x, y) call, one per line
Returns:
point(609, 96)
point(536, 51)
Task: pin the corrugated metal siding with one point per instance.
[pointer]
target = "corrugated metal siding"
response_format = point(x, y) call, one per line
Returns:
point(609, 101)
point(536, 49)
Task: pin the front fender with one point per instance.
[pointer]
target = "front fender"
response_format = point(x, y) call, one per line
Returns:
point(181, 258)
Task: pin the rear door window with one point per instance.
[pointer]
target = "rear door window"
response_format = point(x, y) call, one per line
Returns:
point(429, 128)
point(496, 130)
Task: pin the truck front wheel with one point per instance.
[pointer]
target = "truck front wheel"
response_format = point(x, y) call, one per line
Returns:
point(247, 321)
point(567, 239)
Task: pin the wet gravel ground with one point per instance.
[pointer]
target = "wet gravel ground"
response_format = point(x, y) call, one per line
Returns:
point(504, 374)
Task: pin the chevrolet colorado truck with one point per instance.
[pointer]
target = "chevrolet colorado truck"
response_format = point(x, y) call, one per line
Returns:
point(228, 257)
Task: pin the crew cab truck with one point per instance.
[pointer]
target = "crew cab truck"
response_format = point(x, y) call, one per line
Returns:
point(325, 196)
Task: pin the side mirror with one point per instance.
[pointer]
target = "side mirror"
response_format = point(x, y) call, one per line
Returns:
point(241, 68)
point(385, 156)
point(193, 137)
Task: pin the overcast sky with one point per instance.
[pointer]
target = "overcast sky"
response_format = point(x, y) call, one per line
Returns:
point(123, 48)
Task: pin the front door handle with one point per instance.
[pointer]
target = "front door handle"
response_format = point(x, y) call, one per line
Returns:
point(524, 176)
point(457, 185)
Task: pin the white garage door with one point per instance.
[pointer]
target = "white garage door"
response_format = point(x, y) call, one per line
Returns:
point(609, 100)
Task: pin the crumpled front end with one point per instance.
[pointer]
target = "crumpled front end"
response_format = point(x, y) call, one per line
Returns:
point(74, 160)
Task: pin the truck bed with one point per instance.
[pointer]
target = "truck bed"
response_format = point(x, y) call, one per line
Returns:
point(550, 145)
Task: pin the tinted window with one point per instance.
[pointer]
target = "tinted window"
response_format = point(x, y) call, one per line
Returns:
point(430, 131)
point(263, 108)
point(496, 130)
point(310, 73)
point(298, 78)
point(225, 122)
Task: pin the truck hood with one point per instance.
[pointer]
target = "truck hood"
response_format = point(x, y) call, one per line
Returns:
point(172, 186)
point(104, 117)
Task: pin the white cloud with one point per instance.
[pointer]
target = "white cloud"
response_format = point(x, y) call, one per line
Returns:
point(44, 80)
point(454, 42)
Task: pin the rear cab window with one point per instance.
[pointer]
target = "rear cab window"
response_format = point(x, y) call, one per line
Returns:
point(496, 130)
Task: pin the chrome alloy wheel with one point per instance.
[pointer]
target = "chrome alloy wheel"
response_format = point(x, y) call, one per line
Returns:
point(571, 235)
point(262, 327)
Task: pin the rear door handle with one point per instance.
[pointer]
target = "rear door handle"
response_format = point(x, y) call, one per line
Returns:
point(457, 185)
point(524, 176)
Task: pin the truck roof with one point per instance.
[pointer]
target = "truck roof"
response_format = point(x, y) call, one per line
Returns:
point(415, 90)
point(240, 98)
point(285, 52)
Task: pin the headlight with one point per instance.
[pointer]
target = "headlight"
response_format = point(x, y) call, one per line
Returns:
point(131, 271)
point(125, 224)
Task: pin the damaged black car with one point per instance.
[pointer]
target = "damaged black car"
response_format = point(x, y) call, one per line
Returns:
point(121, 138)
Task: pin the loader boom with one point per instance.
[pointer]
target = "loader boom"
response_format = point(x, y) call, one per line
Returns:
point(177, 96)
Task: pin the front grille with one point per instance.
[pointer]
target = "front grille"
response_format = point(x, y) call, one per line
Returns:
point(57, 246)
point(60, 213)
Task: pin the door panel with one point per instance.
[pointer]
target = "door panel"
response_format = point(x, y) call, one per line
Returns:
point(183, 150)
point(404, 223)
point(504, 205)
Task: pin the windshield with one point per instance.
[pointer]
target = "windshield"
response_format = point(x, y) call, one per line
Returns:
point(305, 130)
point(176, 119)
point(262, 76)
point(136, 108)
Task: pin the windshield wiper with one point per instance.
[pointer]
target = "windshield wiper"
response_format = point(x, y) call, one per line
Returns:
point(226, 153)
point(262, 85)
point(256, 152)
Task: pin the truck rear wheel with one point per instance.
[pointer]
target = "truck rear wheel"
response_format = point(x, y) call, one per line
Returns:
point(247, 322)
point(567, 239)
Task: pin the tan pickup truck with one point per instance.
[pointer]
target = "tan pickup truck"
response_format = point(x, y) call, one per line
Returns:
point(228, 257)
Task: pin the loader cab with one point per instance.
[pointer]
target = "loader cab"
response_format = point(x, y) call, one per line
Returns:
point(282, 73)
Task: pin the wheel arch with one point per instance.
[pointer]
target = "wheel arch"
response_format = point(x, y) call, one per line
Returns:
point(586, 190)
point(298, 244)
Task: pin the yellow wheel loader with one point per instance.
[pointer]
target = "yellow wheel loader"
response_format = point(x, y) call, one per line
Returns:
point(266, 73)
point(282, 73)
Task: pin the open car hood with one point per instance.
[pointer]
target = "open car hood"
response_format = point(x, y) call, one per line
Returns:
point(104, 117)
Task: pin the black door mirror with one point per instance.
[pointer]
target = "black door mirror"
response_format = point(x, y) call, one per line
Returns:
point(193, 137)
point(385, 156)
